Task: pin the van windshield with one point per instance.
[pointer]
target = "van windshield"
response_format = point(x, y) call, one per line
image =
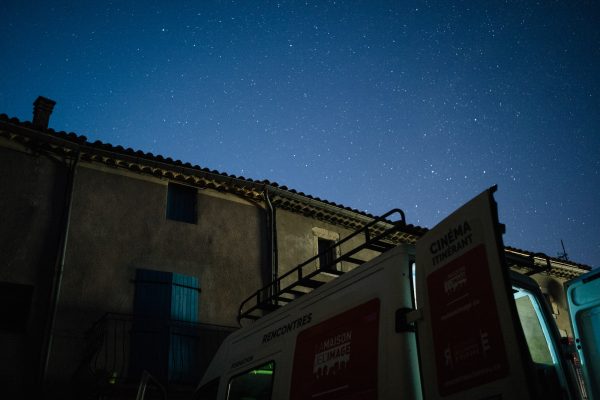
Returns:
point(256, 384)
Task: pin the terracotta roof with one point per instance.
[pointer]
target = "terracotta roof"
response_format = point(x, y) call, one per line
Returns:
point(68, 144)
point(520, 259)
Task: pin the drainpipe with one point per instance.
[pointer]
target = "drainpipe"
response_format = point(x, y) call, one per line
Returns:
point(58, 268)
point(272, 232)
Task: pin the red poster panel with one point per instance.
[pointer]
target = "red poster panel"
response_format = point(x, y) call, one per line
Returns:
point(337, 359)
point(469, 347)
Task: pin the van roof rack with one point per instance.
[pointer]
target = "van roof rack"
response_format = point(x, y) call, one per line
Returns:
point(310, 274)
point(527, 261)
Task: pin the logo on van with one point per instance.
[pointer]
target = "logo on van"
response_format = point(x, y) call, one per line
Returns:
point(455, 281)
point(332, 355)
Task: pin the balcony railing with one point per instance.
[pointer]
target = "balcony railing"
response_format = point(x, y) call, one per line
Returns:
point(120, 347)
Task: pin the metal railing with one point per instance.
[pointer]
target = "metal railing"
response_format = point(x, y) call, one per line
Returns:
point(527, 261)
point(305, 278)
point(121, 346)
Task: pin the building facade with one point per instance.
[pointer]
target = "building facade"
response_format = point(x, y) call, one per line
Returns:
point(117, 261)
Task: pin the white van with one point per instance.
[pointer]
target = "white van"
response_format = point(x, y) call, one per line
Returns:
point(466, 328)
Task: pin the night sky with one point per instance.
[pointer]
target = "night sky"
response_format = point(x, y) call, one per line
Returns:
point(413, 104)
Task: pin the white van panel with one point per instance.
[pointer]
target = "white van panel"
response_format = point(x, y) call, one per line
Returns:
point(380, 287)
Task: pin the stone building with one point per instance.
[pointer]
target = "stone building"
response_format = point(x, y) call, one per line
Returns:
point(116, 261)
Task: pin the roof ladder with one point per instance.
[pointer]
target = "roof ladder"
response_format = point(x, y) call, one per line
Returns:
point(311, 275)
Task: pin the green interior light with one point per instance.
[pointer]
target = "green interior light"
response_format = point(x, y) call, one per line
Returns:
point(261, 372)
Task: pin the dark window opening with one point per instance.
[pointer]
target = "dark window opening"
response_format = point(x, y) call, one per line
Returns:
point(181, 203)
point(15, 304)
point(326, 254)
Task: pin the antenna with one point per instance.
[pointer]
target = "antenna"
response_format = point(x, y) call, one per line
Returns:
point(563, 256)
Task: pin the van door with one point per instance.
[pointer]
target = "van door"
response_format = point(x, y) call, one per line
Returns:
point(471, 343)
point(551, 368)
point(583, 294)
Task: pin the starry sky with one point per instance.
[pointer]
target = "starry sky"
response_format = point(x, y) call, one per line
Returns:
point(373, 104)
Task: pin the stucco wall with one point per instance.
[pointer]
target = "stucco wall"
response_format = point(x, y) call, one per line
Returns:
point(31, 197)
point(119, 224)
point(553, 288)
point(296, 241)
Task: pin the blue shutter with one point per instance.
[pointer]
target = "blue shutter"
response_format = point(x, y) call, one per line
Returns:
point(184, 347)
point(153, 293)
point(150, 330)
point(165, 335)
point(184, 300)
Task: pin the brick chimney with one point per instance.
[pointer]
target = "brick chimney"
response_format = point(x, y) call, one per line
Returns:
point(42, 108)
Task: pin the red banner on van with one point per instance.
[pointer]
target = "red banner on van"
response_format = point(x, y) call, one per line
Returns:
point(468, 342)
point(338, 357)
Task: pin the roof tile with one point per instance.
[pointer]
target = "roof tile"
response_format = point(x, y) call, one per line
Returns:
point(209, 182)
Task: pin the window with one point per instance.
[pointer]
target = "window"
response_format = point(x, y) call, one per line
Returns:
point(323, 242)
point(326, 253)
point(15, 302)
point(256, 384)
point(181, 203)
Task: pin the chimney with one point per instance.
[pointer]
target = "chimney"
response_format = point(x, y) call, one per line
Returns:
point(42, 108)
